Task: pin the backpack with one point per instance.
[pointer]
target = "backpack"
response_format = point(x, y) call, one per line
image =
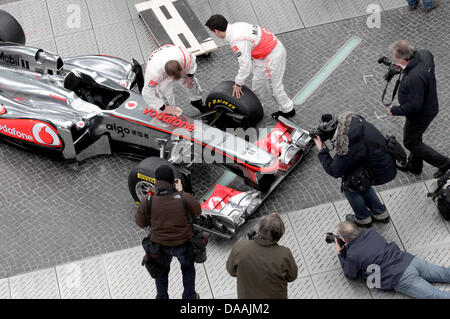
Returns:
point(442, 196)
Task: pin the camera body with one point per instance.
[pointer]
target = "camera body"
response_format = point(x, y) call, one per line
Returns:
point(393, 69)
point(330, 239)
point(251, 235)
point(326, 128)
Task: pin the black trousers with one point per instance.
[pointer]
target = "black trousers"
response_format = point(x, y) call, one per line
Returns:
point(413, 141)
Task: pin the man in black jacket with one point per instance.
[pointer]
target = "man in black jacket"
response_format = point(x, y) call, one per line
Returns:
point(384, 266)
point(354, 139)
point(418, 99)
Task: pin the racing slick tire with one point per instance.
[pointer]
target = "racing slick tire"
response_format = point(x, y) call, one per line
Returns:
point(10, 29)
point(141, 179)
point(221, 99)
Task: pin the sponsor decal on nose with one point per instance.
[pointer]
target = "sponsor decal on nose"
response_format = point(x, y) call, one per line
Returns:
point(43, 134)
point(2, 109)
point(131, 105)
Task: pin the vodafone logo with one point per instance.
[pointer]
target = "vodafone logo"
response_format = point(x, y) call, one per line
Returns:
point(43, 134)
point(123, 83)
point(216, 203)
point(131, 105)
point(278, 138)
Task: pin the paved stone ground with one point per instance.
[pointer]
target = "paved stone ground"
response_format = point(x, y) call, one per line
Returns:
point(118, 275)
point(50, 214)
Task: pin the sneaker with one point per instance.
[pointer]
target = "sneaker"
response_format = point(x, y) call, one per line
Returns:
point(436, 3)
point(384, 220)
point(352, 218)
point(276, 115)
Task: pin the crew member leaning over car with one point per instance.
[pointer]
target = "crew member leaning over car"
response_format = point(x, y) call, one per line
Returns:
point(258, 47)
point(164, 66)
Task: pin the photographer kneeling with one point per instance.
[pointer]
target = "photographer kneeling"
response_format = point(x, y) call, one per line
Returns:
point(360, 252)
point(359, 160)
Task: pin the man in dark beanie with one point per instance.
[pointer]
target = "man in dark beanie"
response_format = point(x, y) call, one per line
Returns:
point(170, 228)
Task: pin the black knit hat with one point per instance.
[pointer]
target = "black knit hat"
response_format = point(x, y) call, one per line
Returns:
point(165, 173)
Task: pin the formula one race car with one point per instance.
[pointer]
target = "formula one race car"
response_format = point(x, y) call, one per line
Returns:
point(81, 107)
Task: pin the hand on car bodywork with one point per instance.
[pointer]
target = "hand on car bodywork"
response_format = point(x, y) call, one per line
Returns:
point(173, 110)
point(237, 91)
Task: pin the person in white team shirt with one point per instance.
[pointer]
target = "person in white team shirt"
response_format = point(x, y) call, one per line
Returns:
point(256, 47)
point(165, 65)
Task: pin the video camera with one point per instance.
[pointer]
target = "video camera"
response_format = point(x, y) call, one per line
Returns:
point(330, 239)
point(326, 129)
point(393, 69)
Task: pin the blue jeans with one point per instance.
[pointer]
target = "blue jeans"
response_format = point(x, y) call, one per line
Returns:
point(415, 281)
point(362, 202)
point(187, 269)
point(426, 3)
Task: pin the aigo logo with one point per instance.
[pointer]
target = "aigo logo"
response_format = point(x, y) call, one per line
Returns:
point(32, 131)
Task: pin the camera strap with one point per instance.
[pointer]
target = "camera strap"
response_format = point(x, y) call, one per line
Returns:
point(397, 84)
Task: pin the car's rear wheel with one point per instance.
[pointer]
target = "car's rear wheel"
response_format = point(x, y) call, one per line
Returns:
point(247, 111)
point(10, 29)
point(141, 179)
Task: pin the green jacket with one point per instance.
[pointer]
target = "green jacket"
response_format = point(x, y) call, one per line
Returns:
point(263, 269)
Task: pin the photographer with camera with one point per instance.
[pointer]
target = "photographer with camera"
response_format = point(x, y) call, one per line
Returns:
point(168, 213)
point(418, 99)
point(359, 160)
point(262, 267)
point(360, 252)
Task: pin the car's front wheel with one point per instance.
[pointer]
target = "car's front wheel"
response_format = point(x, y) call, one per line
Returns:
point(142, 178)
point(247, 111)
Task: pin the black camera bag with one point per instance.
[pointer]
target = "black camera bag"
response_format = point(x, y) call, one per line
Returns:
point(198, 241)
point(394, 148)
point(442, 196)
point(360, 178)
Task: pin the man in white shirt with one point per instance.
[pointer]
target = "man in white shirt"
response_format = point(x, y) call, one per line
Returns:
point(165, 65)
point(256, 47)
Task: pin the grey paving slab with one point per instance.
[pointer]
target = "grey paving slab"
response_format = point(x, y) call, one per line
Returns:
point(278, 16)
point(310, 227)
point(69, 45)
point(147, 43)
point(119, 40)
point(232, 295)
point(4, 289)
point(107, 12)
point(44, 44)
point(388, 231)
point(351, 8)
point(392, 4)
point(69, 16)
point(415, 216)
point(126, 278)
point(289, 240)
point(315, 12)
point(40, 284)
point(302, 288)
point(334, 285)
point(235, 10)
point(84, 279)
point(33, 17)
point(132, 9)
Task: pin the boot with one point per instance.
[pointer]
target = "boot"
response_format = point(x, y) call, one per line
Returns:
point(276, 115)
point(383, 218)
point(199, 105)
point(440, 172)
